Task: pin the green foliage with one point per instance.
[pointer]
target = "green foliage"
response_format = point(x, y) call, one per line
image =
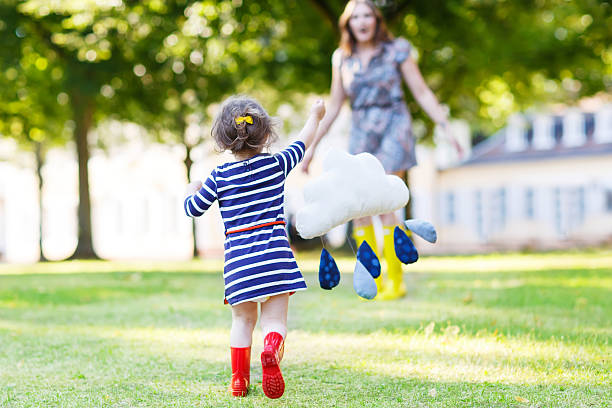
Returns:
point(161, 64)
point(157, 62)
point(27, 113)
point(487, 59)
point(66, 65)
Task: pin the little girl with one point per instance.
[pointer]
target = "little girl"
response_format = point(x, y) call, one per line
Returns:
point(259, 264)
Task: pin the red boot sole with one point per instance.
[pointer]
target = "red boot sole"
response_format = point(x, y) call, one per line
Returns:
point(273, 384)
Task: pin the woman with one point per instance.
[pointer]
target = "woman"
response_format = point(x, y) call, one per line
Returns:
point(368, 68)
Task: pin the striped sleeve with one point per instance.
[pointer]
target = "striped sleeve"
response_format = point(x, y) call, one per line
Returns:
point(196, 204)
point(290, 157)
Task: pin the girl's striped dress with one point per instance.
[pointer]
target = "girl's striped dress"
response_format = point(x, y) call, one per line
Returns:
point(258, 259)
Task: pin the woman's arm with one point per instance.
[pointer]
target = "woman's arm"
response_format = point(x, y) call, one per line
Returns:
point(423, 95)
point(426, 98)
point(337, 97)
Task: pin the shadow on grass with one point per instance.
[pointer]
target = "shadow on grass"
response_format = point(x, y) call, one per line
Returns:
point(159, 338)
point(540, 304)
point(350, 390)
point(112, 372)
point(86, 288)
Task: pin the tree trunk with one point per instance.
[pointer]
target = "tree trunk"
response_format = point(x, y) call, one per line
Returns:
point(83, 109)
point(188, 163)
point(40, 159)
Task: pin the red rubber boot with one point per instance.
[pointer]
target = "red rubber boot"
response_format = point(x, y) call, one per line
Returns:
point(273, 384)
point(241, 371)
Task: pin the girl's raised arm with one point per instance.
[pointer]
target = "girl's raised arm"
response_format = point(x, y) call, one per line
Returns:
point(308, 133)
point(337, 97)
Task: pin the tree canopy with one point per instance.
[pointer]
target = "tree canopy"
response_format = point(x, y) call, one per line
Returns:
point(66, 65)
point(489, 58)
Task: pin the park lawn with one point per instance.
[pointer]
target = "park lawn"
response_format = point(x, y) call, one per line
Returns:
point(509, 330)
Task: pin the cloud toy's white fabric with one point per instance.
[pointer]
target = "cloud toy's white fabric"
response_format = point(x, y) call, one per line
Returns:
point(350, 186)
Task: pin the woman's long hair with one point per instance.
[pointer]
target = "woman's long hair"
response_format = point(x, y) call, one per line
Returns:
point(347, 38)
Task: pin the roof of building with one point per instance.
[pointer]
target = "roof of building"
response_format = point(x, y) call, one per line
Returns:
point(494, 149)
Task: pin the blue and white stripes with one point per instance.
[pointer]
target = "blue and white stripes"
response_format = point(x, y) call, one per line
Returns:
point(258, 262)
point(198, 203)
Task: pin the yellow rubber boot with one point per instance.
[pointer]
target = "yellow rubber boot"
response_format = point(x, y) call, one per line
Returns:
point(367, 234)
point(395, 287)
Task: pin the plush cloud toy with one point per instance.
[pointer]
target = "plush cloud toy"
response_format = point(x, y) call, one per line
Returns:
point(353, 186)
point(350, 186)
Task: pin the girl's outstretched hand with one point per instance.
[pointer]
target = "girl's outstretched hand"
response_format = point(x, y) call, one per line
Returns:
point(306, 160)
point(193, 187)
point(318, 109)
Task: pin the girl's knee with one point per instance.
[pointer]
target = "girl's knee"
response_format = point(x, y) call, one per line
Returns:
point(246, 321)
point(245, 315)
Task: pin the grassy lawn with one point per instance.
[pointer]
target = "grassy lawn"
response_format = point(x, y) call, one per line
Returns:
point(490, 331)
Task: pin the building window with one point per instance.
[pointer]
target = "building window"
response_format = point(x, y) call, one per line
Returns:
point(450, 208)
point(529, 205)
point(501, 203)
point(608, 206)
point(529, 134)
point(589, 125)
point(558, 129)
point(581, 203)
point(479, 215)
point(557, 209)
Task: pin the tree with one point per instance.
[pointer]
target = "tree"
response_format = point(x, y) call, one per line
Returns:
point(156, 63)
point(204, 52)
point(163, 63)
point(35, 119)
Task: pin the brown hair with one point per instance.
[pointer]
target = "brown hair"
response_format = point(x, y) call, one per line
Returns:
point(243, 137)
point(347, 38)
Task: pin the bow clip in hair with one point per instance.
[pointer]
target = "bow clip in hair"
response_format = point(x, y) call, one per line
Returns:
point(241, 119)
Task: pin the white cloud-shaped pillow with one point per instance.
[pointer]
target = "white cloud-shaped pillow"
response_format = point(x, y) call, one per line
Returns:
point(350, 186)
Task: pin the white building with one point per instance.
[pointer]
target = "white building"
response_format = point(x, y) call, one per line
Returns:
point(543, 182)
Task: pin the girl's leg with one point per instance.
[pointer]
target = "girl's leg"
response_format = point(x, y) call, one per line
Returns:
point(244, 317)
point(274, 328)
point(274, 315)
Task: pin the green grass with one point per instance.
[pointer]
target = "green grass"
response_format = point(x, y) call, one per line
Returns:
point(490, 331)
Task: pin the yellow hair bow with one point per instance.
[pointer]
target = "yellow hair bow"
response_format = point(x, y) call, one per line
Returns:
point(247, 119)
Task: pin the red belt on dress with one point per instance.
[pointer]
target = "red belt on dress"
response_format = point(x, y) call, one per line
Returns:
point(265, 224)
